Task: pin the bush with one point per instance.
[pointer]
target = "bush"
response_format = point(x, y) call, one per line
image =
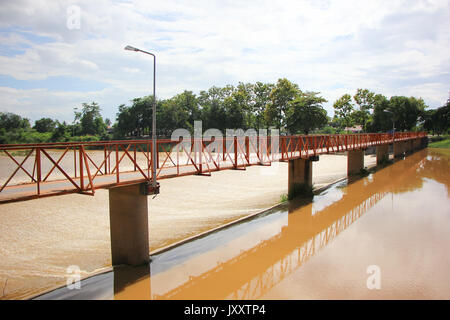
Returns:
point(20, 136)
point(284, 198)
point(326, 130)
point(85, 138)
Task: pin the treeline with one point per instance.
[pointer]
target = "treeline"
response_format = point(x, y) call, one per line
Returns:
point(88, 125)
point(375, 113)
point(260, 105)
point(281, 105)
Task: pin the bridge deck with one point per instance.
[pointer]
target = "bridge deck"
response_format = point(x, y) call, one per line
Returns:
point(41, 170)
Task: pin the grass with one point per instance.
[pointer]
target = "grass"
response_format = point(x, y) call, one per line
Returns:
point(299, 190)
point(440, 144)
point(284, 198)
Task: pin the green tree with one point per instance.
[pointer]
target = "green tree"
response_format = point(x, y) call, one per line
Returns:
point(124, 122)
point(381, 120)
point(365, 100)
point(11, 121)
point(44, 125)
point(244, 102)
point(343, 109)
point(213, 113)
point(407, 111)
point(359, 117)
point(234, 111)
point(187, 103)
point(261, 93)
point(179, 111)
point(90, 120)
point(438, 120)
point(136, 120)
point(62, 132)
point(281, 95)
point(306, 113)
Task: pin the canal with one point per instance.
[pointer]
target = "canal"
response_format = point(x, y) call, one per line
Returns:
point(382, 236)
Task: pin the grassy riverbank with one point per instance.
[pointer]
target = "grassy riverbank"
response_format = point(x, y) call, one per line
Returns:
point(440, 142)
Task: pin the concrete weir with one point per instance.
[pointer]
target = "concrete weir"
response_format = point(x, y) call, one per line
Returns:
point(128, 213)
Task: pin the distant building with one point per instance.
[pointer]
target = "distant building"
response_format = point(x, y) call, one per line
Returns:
point(354, 129)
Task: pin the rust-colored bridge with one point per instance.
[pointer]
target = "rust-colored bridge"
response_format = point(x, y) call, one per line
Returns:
point(40, 170)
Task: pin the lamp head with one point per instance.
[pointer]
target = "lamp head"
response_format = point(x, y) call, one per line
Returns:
point(131, 48)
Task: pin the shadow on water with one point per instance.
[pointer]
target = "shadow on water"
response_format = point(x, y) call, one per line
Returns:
point(247, 259)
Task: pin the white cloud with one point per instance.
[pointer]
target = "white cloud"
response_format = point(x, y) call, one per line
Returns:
point(333, 47)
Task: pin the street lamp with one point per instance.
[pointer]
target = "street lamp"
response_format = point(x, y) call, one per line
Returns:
point(154, 187)
point(393, 124)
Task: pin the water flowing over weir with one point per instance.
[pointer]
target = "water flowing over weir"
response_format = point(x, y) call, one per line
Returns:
point(396, 218)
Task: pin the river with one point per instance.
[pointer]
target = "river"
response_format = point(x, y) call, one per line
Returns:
point(384, 236)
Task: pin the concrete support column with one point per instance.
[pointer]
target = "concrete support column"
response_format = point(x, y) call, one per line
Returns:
point(399, 148)
point(424, 142)
point(406, 146)
point(410, 146)
point(128, 214)
point(382, 152)
point(417, 144)
point(300, 177)
point(355, 161)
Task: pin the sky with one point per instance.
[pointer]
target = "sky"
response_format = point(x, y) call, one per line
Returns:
point(56, 55)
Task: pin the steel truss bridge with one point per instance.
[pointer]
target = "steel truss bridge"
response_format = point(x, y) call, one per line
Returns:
point(40, 170)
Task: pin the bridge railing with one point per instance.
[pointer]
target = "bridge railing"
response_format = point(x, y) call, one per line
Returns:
point(35, 170)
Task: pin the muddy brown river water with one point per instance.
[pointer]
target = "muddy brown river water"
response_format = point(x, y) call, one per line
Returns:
point(384, 236)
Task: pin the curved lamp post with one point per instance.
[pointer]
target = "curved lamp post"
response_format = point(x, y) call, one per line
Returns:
point(154, 187)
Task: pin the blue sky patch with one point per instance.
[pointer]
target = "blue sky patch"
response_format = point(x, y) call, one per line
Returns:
point(11, 52)
point(53, 83)
point(18, 48)
point(28, 34)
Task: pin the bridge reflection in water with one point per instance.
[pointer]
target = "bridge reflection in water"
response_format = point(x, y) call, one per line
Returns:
point(246, 260)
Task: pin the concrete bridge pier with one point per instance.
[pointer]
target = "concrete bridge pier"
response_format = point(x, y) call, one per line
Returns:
point(382, 152)
point(300, 176)
point(399, 149)
point(355, 162)
point(406, 147)
point(424, 142)
point(417, 143)
point(413, 145)
point(128, 214)
point(409, 146)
